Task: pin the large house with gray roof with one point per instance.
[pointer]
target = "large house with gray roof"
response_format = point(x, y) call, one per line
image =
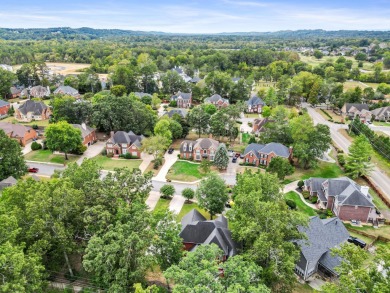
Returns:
point(122, 142)
point(67, 90)
point(181, 112)
point(21, 133)
point(218, 101)
point(202, 148)
point(88, 134)
point(315, 255)
point(352, 111)
point(262, 154)
point(254, 105)
point(36, 92)
point(32, 110)
point(196, 230)
point(183, 100)
point(344, 197)
point(381, 114)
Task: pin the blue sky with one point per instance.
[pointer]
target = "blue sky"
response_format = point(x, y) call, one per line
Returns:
point(198, 16)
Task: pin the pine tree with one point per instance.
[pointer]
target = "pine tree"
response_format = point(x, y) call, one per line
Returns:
point(221, 159)
point(358, 161)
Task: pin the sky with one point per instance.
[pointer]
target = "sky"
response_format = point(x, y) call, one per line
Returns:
point(198, 16)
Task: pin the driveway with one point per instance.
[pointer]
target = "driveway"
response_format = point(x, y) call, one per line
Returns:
point(27, 147)
point(92, 151)
point(170, 159)
point(146, 160)
point(152, 200)
point(244, 126)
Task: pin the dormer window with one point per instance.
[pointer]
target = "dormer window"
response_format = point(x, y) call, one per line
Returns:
point(251, 155)
point(185, 147)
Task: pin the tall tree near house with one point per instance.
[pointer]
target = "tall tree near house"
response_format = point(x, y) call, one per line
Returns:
point(281, 167)
point(271, 99)
point(219, 83)
point(6, 80)
point(212, 194)
point(155, 145)
point(199, 119)
point(147, 68)
point(11, 158)
point(162, 129)
point(62, 137)
point(172, 83)
point(358, 161)
point(221, 159)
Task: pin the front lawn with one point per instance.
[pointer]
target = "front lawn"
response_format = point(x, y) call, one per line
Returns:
point(110, 164)
point(48, 157)
point(323, 170)
point(301, 206)
point(150, 168)
point(162, 205)
point(185, 171)
point(42, 123)
point(187, 207)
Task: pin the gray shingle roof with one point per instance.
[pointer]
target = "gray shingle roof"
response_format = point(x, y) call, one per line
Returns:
point(196, 229)
point(277, 148)
point(178, 70)
point(206, 143)
point(9, 181)
point(182, 112)
point(15, 130)
point(3, 103)
point(255, 148)
point(66, 90)
point(37, 91)
point(254, 101)
point(141, 94)
point(127, 138)
point(31, 106)
point(360, 107)
point(85, 129)
point(184, 96)
point(215, 98)
point(195, 79)
point(187, 143)
point(383, 112)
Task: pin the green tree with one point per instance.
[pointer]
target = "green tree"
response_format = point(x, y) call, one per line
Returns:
point(155, 145)
point(358, 161)
point(188, 193)
point(212, 194)
point(219, 82)
point(172, 83)
point(6, 80)
point(118, 90)
point(167, 191)
point(62, 137)
point(205, 166)
point(266, 111)
point(221, 159)
point(156, 101)
point(11, 158)
point(209, 108)
point(66, 109)
point(270, 98)
point(162, 129)
point(281, 167)
point(71, 81)
point(318, 54)
point(199, 119)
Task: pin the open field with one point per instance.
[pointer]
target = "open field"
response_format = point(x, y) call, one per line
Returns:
point(353, 84)
point(185, 171)
point(188, 207)
point(311, 60)
point(110, 164)
point(49, 157)
point(63, 68)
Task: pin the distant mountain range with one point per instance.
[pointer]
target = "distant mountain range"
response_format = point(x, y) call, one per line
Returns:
point(90, 33)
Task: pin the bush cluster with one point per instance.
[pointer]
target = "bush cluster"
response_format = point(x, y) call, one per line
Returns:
point(36, 146)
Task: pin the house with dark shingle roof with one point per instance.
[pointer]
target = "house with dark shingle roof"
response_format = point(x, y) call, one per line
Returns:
point(88, 134)
point(183, 100)
point(182, 112)
point(356, 110)
point(10, 181)
point(254, 105)
point(4, 107)
point(344, 197)
point(315, 255)
point(202, 148)
point(23, 134)
point(122, 142)
point(381, 114)
point(260, 154)
point(36, 92)
point(196, 230)
point(195, 80)
point(32, 110)
point(67, 90)
point(218, 101)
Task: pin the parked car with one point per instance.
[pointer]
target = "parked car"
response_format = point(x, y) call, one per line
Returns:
point(237, 155)
point(234, 160)
point(241, 156)
point(230, 153)
point(33, 170)
point(357, 241)
point(170, 151)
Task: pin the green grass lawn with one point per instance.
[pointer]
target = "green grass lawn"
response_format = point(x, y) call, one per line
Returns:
point(110, 164)
point(381, 123)
point(245, 137)
point(187, 207)
point(313, 61)
point(49, 157)
point(383, 230)
point(185, 171)
point(162, 205)
point(301, 206)
point(324, 170)
point(11, 119)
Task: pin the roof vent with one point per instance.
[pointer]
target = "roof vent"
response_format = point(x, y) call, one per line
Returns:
point(364, 190)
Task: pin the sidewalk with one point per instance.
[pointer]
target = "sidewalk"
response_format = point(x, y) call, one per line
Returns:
point(152, 200)
point(170, 159)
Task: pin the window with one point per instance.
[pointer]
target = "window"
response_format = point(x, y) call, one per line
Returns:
point(205, 152)
point(124, 151)
point(251, 155)
point(190, 147)
point(185, 147)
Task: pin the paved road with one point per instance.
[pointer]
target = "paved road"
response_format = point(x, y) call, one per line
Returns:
point(378, 177)
point(45, 169)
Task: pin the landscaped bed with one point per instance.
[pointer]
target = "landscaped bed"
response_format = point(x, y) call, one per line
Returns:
point(188, 207)
point(185, 171)
point(48, 157)
point(110, 164)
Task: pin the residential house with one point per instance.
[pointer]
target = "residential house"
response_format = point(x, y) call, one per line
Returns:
point(381, 114)
point(67, 90)
point(195, 80)
point(255, 105)
point(87, 133)
point(36, 92)
point(202, 148)
point(218, 101)
point(10, 181)
point(4, 107)
point(182, 112)
point(259, 123)
point(344, 197)
point(182, 74)
point(142, 94)
point(196, 230)
point(356, 110)
point(16, 91)
point(183, 100)
point(316, 255)
point(122, 142)
point(260, 154)
point(32, 110)
point(21, 133)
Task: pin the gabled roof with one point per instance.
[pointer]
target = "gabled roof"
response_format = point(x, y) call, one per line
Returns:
point(184, 96)
point(381, 112)
point(206, 143)
point(182, 112)
point(272, 147)
point(254, 101)
point(67, 90)
point(15, 130)
point(3, 103)
point(235, 79)
point(32, 106)
point(130, 138)
point(178, 69)
point(85, 130)
point(254, 148)
point(215, 98)
point(9, 181)
point(197, 230)
point(195, 80)
point(359, 107)
point(187, 143)
point(36, 91)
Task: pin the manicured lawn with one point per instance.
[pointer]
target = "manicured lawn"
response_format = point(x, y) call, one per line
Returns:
point(185, 171)
point(324, 170)
point(49, 157)
point(381, 123)
point(187, 207)
point(383, 230)
point(11, 119)
point(162, 204)
point(245, 137)
point(375, 197)
point(352, 85)
point(335, 117)
point(110, 164)
point(301, 206)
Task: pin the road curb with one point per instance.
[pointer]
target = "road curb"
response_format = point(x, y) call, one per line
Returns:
point(46, 163)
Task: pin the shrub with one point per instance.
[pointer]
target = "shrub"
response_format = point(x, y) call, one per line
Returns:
point(314, 199)
point(301, 184)
point(34, 126)
point(173, 104)
point(44, 146)
point(167, 191)
point(110, 155)
point(188, 193)
point(36, 146)
point(250, 124)
point(157, 163)
point(128, 156)
point(79, 150)
point(306, 194)
point(341, 159)
point(291, 204)
point(104, 152)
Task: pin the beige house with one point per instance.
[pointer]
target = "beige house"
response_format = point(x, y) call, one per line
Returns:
point(202, 148)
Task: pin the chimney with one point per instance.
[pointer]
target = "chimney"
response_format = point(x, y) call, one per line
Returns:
point(290, 150)
point(112, 134)
point(83, 126)
point(364, 190)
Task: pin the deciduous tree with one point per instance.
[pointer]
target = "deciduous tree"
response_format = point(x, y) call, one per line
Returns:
point(11, 158)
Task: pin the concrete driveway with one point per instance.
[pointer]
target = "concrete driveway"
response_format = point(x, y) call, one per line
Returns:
point(146, 160)
point(27, 147)
point(170, 159)
point(92, 151)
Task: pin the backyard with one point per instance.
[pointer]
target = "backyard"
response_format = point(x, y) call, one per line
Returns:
point(323, 169)
point(185, 171)
point(47, 156)
point(110, 164)
point(383, 230)
point(11, 119)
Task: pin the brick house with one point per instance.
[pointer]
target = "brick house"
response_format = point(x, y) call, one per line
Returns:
point(122, 142)
point(67, 90)
point(356, 110)
point(259, 123)
point(196, 230)
point(16, 91)
point(254, 105)
point(344, 197)
point(36, 92)
point(32, 110)
point(381, 114)
point(183, 100)
point(315, 254)
point(260, 154)
point(4, 107)
point(202, 148)
point(218, 101)
point(88, 134)
point(21, 133)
